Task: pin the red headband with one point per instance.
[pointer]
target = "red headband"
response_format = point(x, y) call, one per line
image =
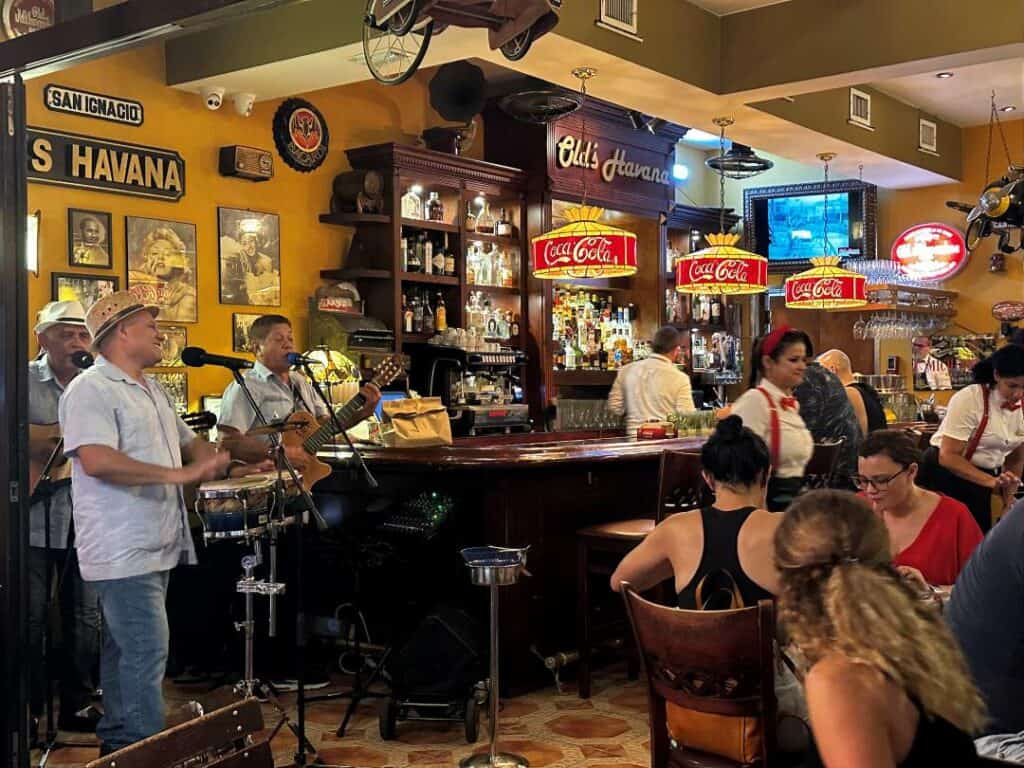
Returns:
point(771, 341)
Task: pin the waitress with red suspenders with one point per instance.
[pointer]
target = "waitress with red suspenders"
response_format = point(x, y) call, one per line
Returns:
point(978, 449)
point(768, 409)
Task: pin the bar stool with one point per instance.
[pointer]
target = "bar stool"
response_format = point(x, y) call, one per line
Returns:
point(821, 469)
point(601, 547)
point(494, 567)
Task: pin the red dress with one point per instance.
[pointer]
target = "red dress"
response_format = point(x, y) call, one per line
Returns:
point(943, 544)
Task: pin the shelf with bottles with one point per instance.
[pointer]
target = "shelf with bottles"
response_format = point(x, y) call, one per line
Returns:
point(420, 277)
point(428, 255)
point(426, 311)
point(492, 266)
point(494, 318)
point(495, 218)
point(427, 205)
point(711, 312)
point(589, 331)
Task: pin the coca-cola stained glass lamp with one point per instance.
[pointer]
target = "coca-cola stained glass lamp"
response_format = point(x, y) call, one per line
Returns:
point(584, 247)
point(721, 267)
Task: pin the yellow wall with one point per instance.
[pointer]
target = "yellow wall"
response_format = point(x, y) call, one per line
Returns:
point(356, 115)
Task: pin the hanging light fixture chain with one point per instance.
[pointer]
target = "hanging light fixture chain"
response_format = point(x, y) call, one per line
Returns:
point(826, 158)
point(721, 183)
point(583, 74)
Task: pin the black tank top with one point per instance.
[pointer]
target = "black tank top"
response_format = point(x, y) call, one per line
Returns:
point(872, 404)
point(721, 531)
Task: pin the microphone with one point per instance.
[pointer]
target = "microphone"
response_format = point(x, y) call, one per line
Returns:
point(197, 357)
point(82, 359)
point(294, 358)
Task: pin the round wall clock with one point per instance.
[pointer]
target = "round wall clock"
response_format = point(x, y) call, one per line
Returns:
point(301, 135)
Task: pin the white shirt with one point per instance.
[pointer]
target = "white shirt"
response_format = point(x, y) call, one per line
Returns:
point(935, 372)
point(275, 399)
point(1004, 433)
point(795, 441)
point(650, 390)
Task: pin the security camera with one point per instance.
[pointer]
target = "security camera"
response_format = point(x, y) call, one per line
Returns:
point(213, 97)
point(244, 102)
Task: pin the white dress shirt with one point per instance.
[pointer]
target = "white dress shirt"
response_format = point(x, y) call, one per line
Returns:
point(795, 442)
point(1004, 433)
point(650, 390)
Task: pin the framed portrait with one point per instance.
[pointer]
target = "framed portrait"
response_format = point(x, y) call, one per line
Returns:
point(249, 255)
point(162, 266)
point(210, 403)
point(176, 386)
point(87, 289)
point(240, 324)
point(89, 239)
point(175, 340)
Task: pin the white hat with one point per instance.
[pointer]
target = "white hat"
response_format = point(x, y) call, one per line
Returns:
point(59, 312)
point(110, 310)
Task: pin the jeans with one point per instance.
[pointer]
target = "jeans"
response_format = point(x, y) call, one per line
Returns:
point(134, 657)
point(78, 649)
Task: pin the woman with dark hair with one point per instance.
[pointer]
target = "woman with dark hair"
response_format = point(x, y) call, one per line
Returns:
point(930, 533)
point(978, 449)
point(734, 535)
point(887, 684)
point(769, 409)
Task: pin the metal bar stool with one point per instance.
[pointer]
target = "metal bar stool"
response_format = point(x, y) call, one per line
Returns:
point(494, 567)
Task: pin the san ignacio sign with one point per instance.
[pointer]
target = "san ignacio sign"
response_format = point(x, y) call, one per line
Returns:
point(70, 160)
point(74, 101)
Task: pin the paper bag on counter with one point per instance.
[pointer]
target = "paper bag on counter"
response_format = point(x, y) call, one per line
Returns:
point(416, 423)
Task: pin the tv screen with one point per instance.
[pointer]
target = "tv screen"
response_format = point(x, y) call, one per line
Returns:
point(796, 226)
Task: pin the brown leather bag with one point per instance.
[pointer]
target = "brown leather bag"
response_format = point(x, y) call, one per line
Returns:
point(733, 737)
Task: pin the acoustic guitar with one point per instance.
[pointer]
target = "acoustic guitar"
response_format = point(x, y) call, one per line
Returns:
point(60, 470)
point(312, 436)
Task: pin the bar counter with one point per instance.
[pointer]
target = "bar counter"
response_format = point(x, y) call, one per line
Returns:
point(535, 490)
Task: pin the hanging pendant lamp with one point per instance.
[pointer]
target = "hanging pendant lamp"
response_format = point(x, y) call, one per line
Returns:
point(826, 285)
point(740, 162)
point(722, 267)
point(585, 247)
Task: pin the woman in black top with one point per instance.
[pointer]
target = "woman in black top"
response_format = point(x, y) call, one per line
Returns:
point(734, 535)
point(887, 685)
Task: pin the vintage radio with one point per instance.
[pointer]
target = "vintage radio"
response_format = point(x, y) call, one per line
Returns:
point(246, 163)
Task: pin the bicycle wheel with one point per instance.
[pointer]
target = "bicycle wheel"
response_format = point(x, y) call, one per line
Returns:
point(402, 22)
point(391, 58)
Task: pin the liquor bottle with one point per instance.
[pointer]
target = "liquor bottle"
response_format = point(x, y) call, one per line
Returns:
point(483, 270)
point(716, 310)
point(570, 355)
point(449, 262)
point(503, 226)
point(406, 315)
point(415, 254)
point(417, 314)
point(428, 316)
point(428, 255)
point(602, 353)
point(514, 330)
point(485, 221)
point(412, 203)
point(440, 314)
point(439, 261)
point(470, 218)
point(435, 208)
point(405, 254)
point(472, 266)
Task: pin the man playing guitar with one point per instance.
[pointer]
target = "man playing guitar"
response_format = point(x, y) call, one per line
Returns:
point(61, 332)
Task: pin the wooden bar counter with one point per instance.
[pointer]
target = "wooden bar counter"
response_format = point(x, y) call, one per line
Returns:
point(532, 489)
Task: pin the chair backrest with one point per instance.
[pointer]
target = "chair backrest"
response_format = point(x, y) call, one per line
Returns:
point(922, 439)
point(225, 738)
point(821, 469)
point(719, 662)
point(680, 485)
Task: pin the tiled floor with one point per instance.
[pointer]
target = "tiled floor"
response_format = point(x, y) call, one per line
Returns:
point(551, 729)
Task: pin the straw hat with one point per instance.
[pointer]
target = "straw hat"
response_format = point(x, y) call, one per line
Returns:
point(59, 312)
point(110, 310)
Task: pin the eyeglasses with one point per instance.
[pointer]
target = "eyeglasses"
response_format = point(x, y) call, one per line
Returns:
point(878, 483)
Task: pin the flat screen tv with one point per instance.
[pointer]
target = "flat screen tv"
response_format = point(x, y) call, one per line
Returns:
point(787, 224)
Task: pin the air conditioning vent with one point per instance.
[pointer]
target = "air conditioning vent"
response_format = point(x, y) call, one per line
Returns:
point(860, 108)
point(928, 136)
point(620, 16)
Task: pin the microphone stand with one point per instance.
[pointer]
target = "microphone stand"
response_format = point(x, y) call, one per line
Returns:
point(283, 463)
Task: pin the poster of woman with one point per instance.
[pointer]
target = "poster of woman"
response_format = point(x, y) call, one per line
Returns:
point(162, 266)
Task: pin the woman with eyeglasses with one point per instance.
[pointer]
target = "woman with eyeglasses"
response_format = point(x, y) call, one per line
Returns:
point(886, 684)
point(978, 449)
point(770, 411)
point(929, 532)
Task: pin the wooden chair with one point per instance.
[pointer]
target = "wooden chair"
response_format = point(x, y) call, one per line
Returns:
point(225, 738)
point(718, 662)
point(821, 469)
point(601, 547)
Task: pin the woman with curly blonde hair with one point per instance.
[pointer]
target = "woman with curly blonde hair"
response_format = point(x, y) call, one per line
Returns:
point(887, 685)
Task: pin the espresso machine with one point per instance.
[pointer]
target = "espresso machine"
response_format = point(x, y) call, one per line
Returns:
point(483, 391)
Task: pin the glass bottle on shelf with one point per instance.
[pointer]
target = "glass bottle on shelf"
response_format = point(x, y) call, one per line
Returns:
point(412, 203)
point(428, 316)
point(483, 270)
point(449, 261)
point(405, 254)
point(439, 261)
point(470, 218)
point(485, 221)
point(406, 315)
point(716, 310)
point(428, 255)
point(435, 208)
point(503, 226)
point(472, 265)
point(507, 279)
point(514, 330)
point(440, 314)
point(417, 314)
point(414, 252)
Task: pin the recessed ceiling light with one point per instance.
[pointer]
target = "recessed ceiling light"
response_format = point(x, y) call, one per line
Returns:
point(1008, 108)
point(944, 75)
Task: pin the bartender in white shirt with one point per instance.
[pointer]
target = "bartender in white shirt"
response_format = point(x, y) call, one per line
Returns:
point(769, 409)
point(978, 449)
point(653, 388)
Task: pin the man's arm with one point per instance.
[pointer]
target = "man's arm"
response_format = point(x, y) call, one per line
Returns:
point(242, 447)
point(616, 398)
point(684, 397)
point(112, 466)
point(857, 401)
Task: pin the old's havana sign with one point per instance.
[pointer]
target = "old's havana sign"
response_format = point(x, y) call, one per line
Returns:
point(70, 160)
point(571, 151)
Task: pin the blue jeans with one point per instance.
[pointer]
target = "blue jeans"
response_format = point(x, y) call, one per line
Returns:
point(134, 657)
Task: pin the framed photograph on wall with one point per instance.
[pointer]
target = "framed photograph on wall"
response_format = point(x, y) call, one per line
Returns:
point(176, 385)
point(175, 340)
point(249, 254)
point(162, 266)
point(241, 322)
point(87, 289)
point(89, 239)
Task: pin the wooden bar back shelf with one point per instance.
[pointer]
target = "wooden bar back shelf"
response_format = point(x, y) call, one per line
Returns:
point(891, 297)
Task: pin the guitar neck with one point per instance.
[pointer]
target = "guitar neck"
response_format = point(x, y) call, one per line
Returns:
point(327, 430)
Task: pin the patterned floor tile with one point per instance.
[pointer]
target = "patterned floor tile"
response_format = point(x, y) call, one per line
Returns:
point(588, 726)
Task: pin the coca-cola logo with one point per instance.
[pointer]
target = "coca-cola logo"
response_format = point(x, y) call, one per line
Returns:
point(597, 249)
point(733, 271)
point(824, 288)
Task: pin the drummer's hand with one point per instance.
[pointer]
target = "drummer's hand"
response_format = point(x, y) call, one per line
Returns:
point(243, 470)
point(372, 394)
point(211, 467)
